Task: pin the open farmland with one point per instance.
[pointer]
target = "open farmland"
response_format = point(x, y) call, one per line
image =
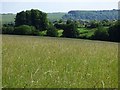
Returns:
point(7, 18)
point(45, 62)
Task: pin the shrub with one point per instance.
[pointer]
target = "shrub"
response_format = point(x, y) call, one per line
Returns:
point(52, 31)
point(114, 32)
point(24, 30)
point(7, 30)
point(40, 33)
point(93, 25)
point(101, 34)
point(71, 31)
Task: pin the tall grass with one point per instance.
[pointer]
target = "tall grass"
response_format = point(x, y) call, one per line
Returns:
point(43, 62)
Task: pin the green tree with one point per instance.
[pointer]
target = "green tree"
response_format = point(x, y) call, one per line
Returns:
point(114, 32)
point(32, 17)
point(52, 31)
point(69, 21)
point(28, 18)
point(20, 19)
point(71, 30)
point(101, 34)
point(7, 30)
point(93, 24)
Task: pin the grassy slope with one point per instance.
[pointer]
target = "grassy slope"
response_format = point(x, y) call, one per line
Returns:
point(55, 16)
point(44, 62)
point(8, 18)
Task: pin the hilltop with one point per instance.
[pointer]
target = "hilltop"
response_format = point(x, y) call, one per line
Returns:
point(92, 15)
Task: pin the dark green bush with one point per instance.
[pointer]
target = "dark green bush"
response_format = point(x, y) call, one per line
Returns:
point(25, 30)
point(101, 34)
point(71, 31)
point(52, 31)
point(93, 24)
point(114, 32)
point(7, 30)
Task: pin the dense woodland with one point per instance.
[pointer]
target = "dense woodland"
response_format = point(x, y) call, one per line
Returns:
point(102, 25)
point(92, 15)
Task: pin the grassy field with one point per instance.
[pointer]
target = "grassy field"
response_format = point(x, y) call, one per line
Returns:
point(85, 32)
point(8, 18)
point(55, 16)
point(44, 62)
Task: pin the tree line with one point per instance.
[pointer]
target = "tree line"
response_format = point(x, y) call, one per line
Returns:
point(35, 22)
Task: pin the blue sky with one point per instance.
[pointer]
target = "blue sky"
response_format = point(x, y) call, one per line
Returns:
point(60, 6)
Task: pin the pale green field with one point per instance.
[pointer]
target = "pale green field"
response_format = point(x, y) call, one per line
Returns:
point(43, 62)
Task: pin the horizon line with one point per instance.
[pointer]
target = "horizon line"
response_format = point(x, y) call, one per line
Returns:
point(62, 11)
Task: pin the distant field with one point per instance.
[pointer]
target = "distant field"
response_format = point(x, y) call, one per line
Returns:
point(85, 32)
point(44, 62)
point(8, 18)
point(55, 16)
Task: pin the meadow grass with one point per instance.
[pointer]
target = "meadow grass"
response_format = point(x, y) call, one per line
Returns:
point(45, 62)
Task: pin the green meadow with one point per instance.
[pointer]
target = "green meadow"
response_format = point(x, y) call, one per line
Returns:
point(47, 62)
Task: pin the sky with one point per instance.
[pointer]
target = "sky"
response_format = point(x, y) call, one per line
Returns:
point(49, 6)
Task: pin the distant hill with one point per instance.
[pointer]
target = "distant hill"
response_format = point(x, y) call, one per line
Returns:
point(92, 15)
point(8, 18)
